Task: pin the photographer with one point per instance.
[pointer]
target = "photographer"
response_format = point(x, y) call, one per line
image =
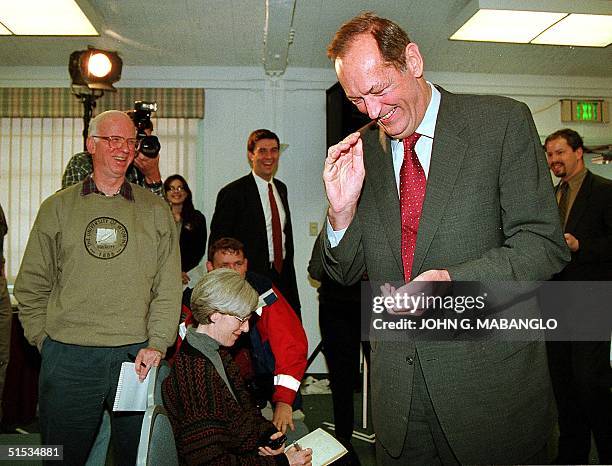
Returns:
point(144, 170)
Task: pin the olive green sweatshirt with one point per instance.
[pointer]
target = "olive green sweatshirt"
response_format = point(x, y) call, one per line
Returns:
point(101, 271)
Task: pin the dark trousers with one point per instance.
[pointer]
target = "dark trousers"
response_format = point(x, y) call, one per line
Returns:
point(76, 382)
point(581, 377)
point(341, 336)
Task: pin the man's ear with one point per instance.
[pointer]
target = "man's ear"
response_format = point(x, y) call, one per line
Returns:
point(209, 266)
point(250, 156)
point(579, 153)
point(90, 143)
point(414, 60)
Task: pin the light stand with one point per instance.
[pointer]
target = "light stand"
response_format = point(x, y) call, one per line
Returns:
point(88, 98)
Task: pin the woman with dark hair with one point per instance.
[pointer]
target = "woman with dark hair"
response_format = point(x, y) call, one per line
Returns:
point(190, 222)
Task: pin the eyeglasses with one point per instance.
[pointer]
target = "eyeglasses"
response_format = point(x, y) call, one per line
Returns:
point(242, 320)
point(117, 142)
point(178, 189)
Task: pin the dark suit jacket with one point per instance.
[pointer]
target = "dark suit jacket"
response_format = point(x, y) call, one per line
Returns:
point(489, 214)
point(590, 221)
point(239, 214)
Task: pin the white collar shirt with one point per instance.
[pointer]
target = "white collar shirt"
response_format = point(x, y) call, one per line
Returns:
point(262, 188)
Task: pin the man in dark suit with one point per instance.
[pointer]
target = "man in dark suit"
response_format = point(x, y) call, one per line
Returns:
point(580, 370)
point(255, 210)
point(476, 189)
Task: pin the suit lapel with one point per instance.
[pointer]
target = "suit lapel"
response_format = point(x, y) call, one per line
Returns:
point(254, 202)
point(580, 203)
point(380, 175)
point(448, 152)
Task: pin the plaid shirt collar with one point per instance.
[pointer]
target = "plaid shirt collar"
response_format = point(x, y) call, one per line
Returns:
point(89, 187)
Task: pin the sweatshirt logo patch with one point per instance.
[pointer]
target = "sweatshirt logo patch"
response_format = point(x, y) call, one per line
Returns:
point(105, 238)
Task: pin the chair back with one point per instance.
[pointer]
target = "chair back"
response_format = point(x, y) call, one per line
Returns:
point(163, 371)
point(157, 446)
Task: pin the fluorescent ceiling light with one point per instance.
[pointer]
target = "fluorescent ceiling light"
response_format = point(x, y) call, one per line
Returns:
point(579, 30)
point(557, 22)
point(506, 26)
point(45, 18)
point(4, 31)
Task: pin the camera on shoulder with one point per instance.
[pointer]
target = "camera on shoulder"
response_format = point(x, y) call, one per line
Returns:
point(148, 145)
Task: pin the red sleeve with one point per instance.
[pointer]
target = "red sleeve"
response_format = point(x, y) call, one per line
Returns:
point(179, 340)
point(280, 326)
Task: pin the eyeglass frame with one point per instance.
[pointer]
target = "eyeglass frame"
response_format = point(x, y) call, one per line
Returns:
point(242, 320)
point(179, 189)
point(123, 140)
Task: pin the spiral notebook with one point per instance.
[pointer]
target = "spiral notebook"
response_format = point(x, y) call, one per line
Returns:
point(325, 448)
point(131, 392)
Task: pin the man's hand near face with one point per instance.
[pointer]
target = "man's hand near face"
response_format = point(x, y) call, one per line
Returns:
point(149, 168)
point(343, 176)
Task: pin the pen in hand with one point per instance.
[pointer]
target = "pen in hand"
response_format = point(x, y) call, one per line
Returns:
point(132, 358)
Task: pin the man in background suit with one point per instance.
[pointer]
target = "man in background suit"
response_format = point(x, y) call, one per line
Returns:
point(254, 209)
point(476, 189)
point(580, 370)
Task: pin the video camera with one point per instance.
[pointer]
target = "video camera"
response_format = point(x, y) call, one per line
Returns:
point(148, 146)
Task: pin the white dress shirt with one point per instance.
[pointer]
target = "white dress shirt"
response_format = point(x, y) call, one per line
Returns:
point(423, 148)
point(262, 188)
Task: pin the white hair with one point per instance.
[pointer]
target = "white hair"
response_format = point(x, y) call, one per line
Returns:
point(225, 291)
point(95, 122)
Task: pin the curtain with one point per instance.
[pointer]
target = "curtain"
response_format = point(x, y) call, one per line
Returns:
point(59, 102)
point(34, 152)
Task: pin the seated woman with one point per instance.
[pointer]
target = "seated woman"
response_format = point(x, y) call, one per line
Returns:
point(191, 223)
point(213, 416)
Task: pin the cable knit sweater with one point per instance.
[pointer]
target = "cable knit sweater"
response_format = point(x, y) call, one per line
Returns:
point(210, 426)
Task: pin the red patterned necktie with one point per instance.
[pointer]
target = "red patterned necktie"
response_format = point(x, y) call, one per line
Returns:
point(412, 192)
point(277, 235)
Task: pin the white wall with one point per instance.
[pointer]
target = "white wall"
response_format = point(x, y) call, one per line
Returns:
point(239, 100)
point(299, 121)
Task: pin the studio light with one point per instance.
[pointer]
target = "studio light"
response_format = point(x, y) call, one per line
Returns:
point(95, 68)
point(93, 71)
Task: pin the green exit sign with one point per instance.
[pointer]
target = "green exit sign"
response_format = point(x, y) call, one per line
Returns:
point(595, 111)
point(588, 111)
